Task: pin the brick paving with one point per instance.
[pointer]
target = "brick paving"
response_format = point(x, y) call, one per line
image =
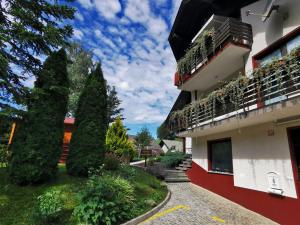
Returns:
point(199, 206)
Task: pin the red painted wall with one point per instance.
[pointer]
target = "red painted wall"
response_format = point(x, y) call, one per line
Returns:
point(283, 210)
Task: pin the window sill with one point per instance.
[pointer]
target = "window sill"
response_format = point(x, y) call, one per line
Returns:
point(222, 173)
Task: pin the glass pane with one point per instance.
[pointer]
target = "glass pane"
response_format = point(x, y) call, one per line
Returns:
point(294, 43)
point(221, 156)
point(269, 58)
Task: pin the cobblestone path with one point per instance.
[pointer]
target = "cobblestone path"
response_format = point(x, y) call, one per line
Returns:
point(190, 204)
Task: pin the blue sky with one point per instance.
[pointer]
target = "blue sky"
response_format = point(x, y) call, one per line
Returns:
point(130, 39)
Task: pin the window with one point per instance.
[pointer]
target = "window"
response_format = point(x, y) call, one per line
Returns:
point(220, 156)
point(278, 49)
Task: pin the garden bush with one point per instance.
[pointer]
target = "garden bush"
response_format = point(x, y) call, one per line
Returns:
point(172, 159)
point(49, 207)
point(106, 200)
point(111, 162)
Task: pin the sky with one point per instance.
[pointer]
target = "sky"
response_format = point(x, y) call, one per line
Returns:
point(130, 37)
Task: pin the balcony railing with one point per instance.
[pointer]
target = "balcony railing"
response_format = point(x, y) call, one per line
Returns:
point(217, 34)
point(268, 85)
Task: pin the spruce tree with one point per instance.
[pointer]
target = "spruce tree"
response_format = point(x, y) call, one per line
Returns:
point(87, 147)
point(38, 142)
point(117, 140)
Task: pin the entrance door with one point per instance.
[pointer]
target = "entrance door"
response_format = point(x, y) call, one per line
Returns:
point(294, 138)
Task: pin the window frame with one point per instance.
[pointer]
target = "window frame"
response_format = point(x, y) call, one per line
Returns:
point(209, 154)
point(280, 44)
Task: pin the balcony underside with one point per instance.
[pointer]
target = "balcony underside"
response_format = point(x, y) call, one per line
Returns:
point(226, 62)
point(282, 112)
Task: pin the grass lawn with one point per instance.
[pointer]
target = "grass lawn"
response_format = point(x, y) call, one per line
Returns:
point(17, 204)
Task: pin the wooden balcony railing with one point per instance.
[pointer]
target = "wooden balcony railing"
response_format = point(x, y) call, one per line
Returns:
point(222, 30)
point(268, 85)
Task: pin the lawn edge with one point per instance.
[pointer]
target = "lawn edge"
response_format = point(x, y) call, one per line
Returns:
point(150, 213)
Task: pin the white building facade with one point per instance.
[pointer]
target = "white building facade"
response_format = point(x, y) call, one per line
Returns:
point(245, 148)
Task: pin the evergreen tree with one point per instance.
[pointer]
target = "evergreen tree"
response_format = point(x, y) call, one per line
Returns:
point(87, 147)
point(28, 29)
point(38, 142)
point(117, 140)
point(113, 104)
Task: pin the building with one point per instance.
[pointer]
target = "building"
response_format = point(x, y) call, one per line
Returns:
point(239, 62)
point(68, 126)
point(171, 146)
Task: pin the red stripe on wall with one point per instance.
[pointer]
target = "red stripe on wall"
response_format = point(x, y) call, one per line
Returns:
point(283, 210)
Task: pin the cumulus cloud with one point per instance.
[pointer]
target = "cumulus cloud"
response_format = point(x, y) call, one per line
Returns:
point(135, 55)
point(79, 16)
point(78, 34)
point(108, 8)
point(86, 3)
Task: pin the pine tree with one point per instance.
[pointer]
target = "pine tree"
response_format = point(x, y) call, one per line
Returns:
point(113, 104)
point(87, 147)
point(117, 140)
point(28, 29)
point(38, 142)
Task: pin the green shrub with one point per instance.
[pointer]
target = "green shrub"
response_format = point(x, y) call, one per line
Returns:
point(3, 155)
point(106, 200)
point(111, 163)
point(50, 206)
point(172, 159)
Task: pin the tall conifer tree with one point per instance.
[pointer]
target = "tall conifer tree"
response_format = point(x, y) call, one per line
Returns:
point(39, 138)
point(87, 147)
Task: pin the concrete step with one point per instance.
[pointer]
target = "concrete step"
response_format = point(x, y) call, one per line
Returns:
point(181, 168)
point(181, 179)
point(185, 165)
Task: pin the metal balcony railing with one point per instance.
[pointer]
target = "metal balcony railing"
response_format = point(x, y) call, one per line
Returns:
point(268, 85)
point(226, 30)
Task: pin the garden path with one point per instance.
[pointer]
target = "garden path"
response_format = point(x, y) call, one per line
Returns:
point(190, 204)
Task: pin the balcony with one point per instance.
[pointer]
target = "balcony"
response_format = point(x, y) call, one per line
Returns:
point(221, 42)
point(271, 93)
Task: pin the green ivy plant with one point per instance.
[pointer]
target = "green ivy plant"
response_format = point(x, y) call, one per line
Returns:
point(268, 78)
point(201, 46)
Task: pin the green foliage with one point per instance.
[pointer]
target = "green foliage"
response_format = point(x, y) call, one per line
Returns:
point(202, 45)
point(50, 206)
point(113, 104)
point(78, 70)
point(39, 137)
point(236, 89)
point(172, 159)
point(143, 138)
point(87, 147)
point(163, 132)
point(111, 162)
point(106, 200)
point(28, 29)
point(117, 140)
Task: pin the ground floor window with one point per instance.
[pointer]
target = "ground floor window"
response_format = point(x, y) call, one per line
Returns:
point(220, 156)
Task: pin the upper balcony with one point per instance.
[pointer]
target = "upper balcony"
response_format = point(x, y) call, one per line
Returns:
point(270, 94)
point(215, 53)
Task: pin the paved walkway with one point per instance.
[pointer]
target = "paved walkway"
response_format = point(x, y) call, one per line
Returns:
point(190, 204)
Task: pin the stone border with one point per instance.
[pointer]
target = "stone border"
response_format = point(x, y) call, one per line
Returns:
point(150, 213)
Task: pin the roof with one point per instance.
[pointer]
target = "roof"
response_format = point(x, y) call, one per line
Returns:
point(173, 144)
point(193, 14)
point(154, 145)
point(69, 120)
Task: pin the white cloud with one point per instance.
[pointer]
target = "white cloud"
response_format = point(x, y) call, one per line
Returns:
point(108, 8)
point(79, 16)
point(78, 34)
point(86, 3)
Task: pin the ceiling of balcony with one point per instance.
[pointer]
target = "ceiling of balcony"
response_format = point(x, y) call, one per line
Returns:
point(193, 14)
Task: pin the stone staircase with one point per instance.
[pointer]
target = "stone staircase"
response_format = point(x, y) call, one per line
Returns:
point(178, 174)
